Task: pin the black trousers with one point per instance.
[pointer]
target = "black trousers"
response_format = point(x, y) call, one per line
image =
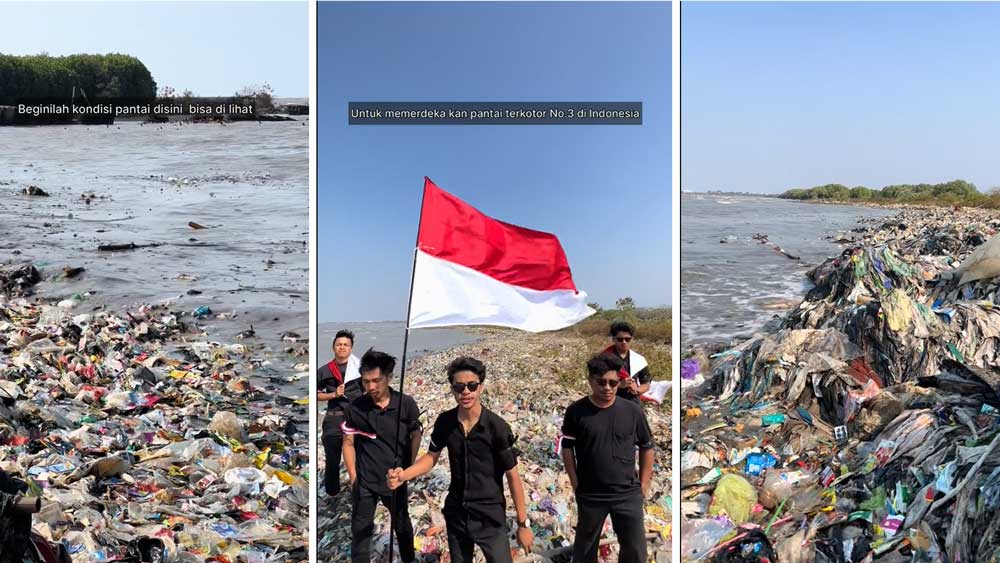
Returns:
point(363, 523)
point(465, 531)
point(333, 445)
point(627, 519)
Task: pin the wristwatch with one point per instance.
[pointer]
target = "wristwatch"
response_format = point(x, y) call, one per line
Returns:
point(523, 524)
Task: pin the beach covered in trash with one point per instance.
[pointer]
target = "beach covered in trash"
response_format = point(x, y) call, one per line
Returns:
point(130, 424)
point(526, 384)
point(153, 372)
point(863, 424)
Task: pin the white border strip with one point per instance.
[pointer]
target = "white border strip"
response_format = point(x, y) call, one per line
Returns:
point(313, 330)
point(675, 285)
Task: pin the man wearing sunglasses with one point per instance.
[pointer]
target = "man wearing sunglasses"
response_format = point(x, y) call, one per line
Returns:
point(480, 451)
point(600, 435)
point(371, 442)
point(635, 370)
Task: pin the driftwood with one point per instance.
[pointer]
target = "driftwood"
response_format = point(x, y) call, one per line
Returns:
point(120, 247)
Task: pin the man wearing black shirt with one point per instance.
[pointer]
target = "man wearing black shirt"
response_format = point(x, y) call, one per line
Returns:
point(600, 436)
point(635, 370)
point(338, 383)
point(371, 443)
point(481, 451)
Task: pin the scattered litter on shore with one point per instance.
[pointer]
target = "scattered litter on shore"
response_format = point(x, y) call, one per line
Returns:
point(132, 425)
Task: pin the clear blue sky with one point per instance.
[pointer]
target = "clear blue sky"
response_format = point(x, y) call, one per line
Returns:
point(604, 190)
point(211, 48)
point(781, 95)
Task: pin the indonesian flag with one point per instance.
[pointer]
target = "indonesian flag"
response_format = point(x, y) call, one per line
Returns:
point(474, 270)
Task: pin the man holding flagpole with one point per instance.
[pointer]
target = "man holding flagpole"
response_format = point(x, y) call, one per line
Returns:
point(600, 435)
point(338, 383)
point(377, 426)
point(481, 452)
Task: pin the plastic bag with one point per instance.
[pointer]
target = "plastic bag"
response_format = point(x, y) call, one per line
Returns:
point(735, 497)
point(699, 536)
point(780, 485)
point(984, 262)
point(227, 424)
point(246, 478)
point(657, 391)
point(690, 368)
point(696, 381)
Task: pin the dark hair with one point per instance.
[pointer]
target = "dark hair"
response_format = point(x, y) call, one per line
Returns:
point(373, 359)
point(621, 326)
point(466, 363)
point(344, 334)
point(602, 364)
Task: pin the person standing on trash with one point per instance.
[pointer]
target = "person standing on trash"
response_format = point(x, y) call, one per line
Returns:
point(480, 451)
point(635, 370)
point(371, 443)
point(600, 435)
point(338, 382)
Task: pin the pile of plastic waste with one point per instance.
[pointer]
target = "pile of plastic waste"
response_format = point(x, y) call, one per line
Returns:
point(131, 426)
point(523, 388)
point(864, 425)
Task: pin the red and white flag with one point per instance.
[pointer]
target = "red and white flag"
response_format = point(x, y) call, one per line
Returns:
point(474, 270)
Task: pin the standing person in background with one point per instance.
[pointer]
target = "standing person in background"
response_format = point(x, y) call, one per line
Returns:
point(481, 452)
point(635, 370)
point(600, 435)
point(338, 382)
point(378, 426)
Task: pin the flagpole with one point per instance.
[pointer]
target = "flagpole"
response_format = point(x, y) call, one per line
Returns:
point(402, 378)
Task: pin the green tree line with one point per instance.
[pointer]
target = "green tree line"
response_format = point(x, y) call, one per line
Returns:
point(951, 192)
point(24, 79)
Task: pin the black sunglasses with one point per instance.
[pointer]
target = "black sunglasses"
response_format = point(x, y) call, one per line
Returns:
point(623, 338)
point(612, 383)
point(460, 387)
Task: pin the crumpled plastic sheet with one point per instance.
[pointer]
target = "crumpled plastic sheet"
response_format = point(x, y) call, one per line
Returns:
point(519, 367)
point(106, 415)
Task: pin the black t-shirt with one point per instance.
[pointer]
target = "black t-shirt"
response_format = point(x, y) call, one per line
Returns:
point(642, 378)
point(478, 463)
point(327, 383)
point(604, 442)
point(373, 429)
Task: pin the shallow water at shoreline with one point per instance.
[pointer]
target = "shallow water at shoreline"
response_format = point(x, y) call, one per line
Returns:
point(732, 288)
point(387, 336)
point(246, 183)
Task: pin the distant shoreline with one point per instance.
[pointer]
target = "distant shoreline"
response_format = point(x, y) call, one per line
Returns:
point(848, 202)
point(884, 205)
